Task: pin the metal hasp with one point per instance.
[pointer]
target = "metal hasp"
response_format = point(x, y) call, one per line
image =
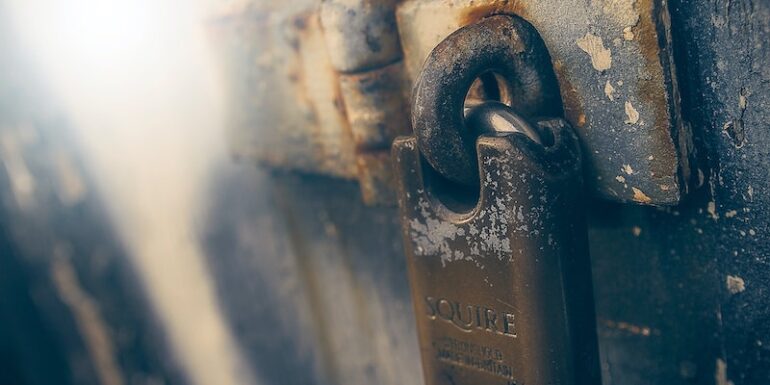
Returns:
point(499, 273)
point(614, 65)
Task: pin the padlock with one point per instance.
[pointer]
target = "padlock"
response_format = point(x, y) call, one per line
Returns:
point(492, 214)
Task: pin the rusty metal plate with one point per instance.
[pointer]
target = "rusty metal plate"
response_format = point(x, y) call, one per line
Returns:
point(616, 76)
point(360, 34)
point(316, 88)
point(284, 104)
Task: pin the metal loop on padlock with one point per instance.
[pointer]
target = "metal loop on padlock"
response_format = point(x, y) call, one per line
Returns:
point(506, 45)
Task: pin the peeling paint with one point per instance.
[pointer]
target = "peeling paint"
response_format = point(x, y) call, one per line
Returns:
point(434, 236)
point(711, 209)
point(742, 101)
point(628, 169)
point(628, 33)
point(632, 115)
point(601, 57)
point(609, 90)
point(735, 284)
point(640, 196)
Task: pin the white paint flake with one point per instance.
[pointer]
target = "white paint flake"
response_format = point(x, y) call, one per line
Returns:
point(735, 284)
point(609, 90)
point(632, 115)
point(601, 57)
point(436, 237)
point(640, 196)
point(628, 33)
point(711, 208)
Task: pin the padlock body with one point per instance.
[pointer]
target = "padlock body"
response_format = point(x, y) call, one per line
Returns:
point(502, 292)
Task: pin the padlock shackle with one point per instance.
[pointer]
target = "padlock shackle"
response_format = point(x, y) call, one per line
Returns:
point(504, 44)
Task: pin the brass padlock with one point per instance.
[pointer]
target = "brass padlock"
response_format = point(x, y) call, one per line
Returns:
point(493, 222)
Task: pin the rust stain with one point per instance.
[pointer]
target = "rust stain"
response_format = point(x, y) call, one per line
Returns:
point(376, 177)
point(360, 91)
point(573, 105)
point(376, 109)
point(306, 25)
point(295, 73)
point(477, 12)
point(621, 11)
point(339, 106)
point(651, 88)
